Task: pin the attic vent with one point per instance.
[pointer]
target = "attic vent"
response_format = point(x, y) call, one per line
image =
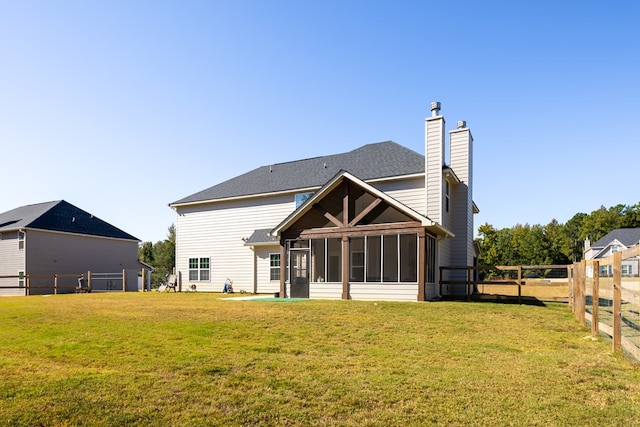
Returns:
point(73, 219)
point(324, 166)
point(270, 169)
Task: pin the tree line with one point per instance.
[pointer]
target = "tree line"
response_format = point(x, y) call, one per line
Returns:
point(554, 243)
point(161, 256)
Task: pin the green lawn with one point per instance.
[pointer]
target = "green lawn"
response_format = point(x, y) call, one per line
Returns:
point(165, 359)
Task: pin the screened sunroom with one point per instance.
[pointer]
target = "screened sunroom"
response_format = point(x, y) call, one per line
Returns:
point(352, 241)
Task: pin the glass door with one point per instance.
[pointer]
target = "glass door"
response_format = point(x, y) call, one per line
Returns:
point(299, 271)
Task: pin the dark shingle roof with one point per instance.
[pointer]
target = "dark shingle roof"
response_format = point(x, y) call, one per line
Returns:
point(59, 216)
point(372, 161)
point(626, 236)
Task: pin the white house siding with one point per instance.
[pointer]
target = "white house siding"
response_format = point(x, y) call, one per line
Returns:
point(11, 262)
point(446, 219)
point(434, 159)
point(325, 290)
point(462, 164)
point(215, 230)
point(383, 292)
point(263, 269)
point(65, 253)
point(409, 191)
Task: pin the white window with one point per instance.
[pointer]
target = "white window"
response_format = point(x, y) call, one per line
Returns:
point(274, 266)
point(199, 269)
point(301, 198)
point(615, 248)
point(21, 279)
point(447, 194)
point(20, 239)
point(627, 270)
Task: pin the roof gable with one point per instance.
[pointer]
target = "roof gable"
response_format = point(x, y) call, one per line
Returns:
point(626, 236)
point(372, 161)
point(326, 191)
point(59, 216)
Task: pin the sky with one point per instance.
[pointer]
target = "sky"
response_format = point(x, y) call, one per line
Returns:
point(122, 107)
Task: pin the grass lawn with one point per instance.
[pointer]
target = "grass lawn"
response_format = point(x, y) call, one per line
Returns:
point(165, 359)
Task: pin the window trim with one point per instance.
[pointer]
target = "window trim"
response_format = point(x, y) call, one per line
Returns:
point(447, 195)
point(273, 268)
point(199, 269)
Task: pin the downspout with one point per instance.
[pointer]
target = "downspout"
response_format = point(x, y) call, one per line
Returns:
point(255, 270)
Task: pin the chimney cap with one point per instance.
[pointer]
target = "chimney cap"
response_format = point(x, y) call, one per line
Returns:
point(462, 124)
point(435, 108)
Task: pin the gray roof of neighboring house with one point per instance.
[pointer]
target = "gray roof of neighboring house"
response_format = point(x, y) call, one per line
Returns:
point(59, 216)
point(626, 236)
point(371, 161)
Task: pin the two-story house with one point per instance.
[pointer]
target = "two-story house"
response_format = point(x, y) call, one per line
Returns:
point(373, 223)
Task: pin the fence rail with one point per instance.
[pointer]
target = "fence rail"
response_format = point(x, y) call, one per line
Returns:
point(549, 281)
point(609, 302)
point(59, 283)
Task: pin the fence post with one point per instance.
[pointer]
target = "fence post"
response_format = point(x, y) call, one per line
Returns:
point(124, 280)
point(572, 289)
point(617, 301)
point(27, 289)
point(595, 298)
point(55, 284)
point(582, 284)
point(519, 284)
point(89, 281)
point(142, 280)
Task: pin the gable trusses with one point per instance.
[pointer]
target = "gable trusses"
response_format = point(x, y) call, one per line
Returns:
point(346, 202)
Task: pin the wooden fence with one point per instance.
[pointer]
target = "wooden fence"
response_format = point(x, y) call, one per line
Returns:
point(543, 282)
point(607, 296)
point(605, 292)
point(60, 283)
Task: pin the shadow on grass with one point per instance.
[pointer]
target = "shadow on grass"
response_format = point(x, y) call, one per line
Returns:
point(496, 299)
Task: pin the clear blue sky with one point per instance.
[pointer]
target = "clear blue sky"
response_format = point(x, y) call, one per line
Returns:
point(121, 107)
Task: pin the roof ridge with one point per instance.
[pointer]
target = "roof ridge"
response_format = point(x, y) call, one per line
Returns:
point(331, 155)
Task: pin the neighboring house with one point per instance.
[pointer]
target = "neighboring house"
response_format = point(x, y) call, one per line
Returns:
point(616, 240)
point(373, 223)
point(58, 238)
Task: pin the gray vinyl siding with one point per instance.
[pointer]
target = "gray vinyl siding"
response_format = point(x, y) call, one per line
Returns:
point(65, 253)
point(215, 230)
point(12, 260)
